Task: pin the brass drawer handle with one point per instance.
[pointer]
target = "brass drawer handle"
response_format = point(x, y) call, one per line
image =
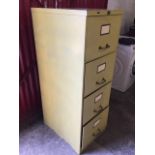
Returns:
point(99, 130)
point(101, 82)
point(102, 48)
point(96, 134)
point(100, 109)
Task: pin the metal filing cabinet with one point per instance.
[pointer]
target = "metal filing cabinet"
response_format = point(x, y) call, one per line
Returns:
point(76, 52)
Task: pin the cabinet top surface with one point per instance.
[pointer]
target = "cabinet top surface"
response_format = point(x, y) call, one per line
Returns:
point(78, 12)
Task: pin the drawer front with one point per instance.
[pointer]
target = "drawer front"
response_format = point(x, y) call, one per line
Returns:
point(96, 102)
point(94, 128)
point(98, 73)
point(101, 36)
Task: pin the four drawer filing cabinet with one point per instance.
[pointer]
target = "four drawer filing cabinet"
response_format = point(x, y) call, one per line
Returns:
point(76, 52)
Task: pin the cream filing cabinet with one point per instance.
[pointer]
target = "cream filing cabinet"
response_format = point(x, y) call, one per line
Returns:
point(76, 52)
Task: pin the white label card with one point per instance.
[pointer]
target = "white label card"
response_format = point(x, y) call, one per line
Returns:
point(97, 98)
point(101, 67)
point(96, 123)
point(105, 29)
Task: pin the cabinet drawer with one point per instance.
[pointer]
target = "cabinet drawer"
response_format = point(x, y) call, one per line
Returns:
point(94, 128)
point(96, 102)
point(101, 36)
point(98, 73)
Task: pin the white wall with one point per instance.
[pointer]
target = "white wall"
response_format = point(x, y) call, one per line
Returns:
point(128, 6)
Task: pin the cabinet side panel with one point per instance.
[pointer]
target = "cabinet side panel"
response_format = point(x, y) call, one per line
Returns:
point(60, 41)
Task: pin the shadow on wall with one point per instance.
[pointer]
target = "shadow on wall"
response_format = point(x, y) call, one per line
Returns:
point(128, 6)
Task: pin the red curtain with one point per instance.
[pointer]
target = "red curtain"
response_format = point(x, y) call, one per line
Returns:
point(29, 92)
